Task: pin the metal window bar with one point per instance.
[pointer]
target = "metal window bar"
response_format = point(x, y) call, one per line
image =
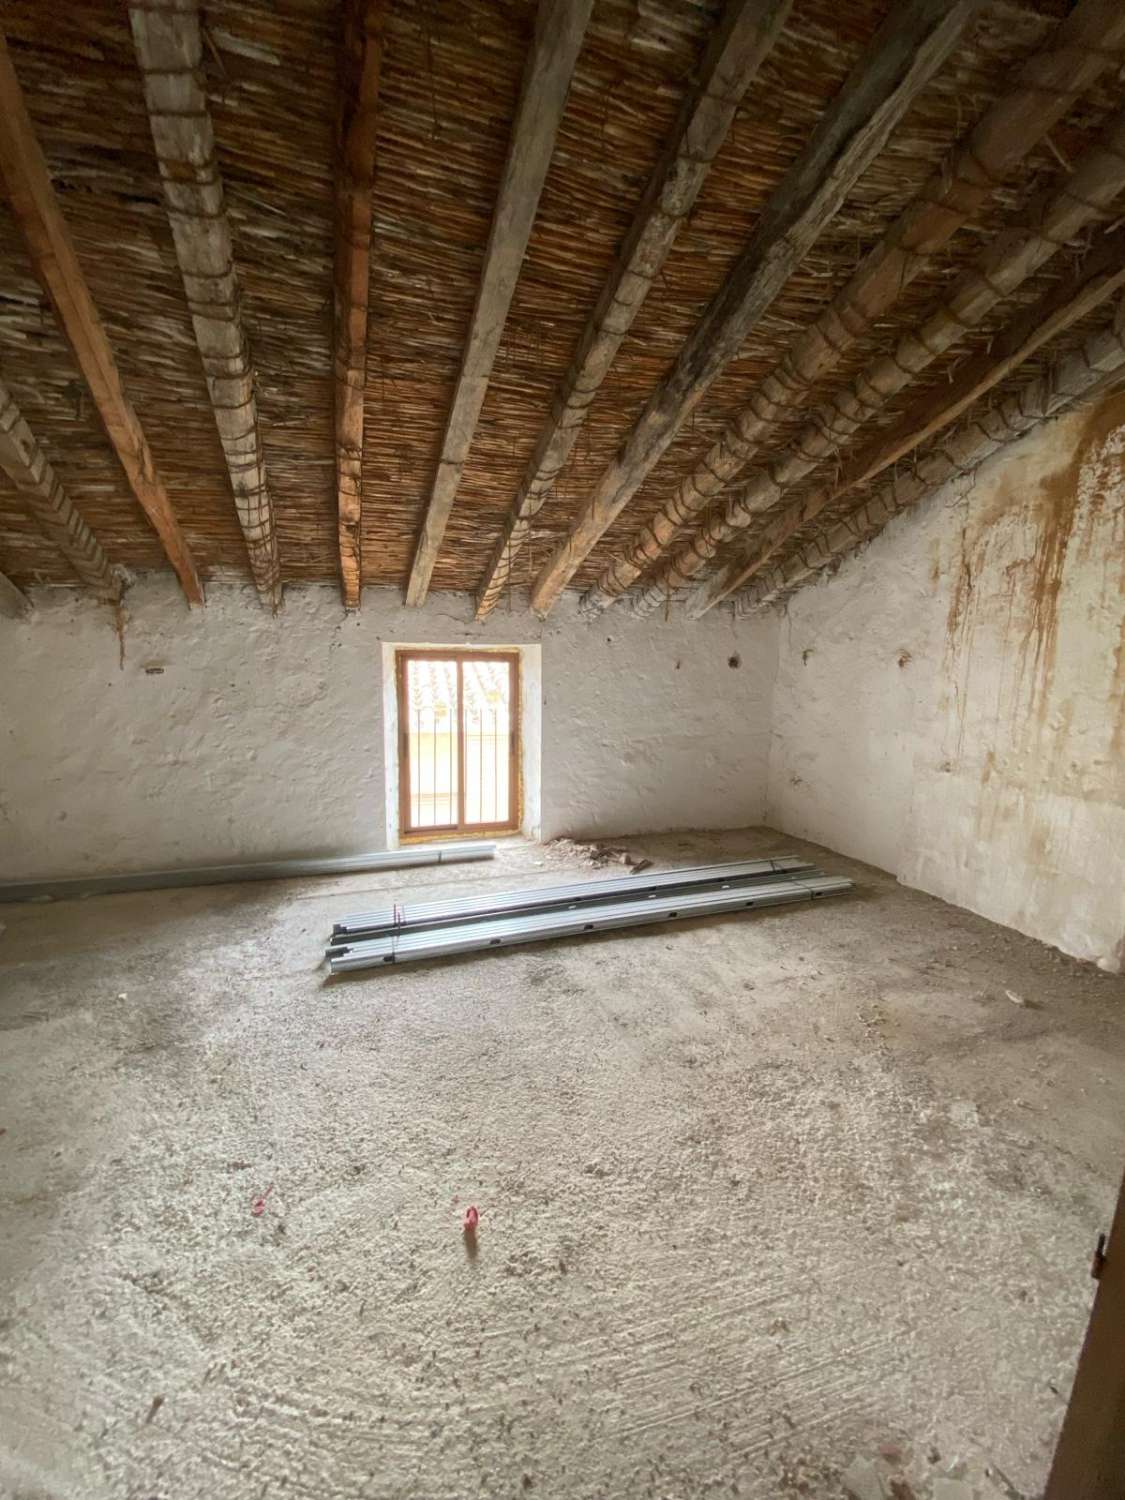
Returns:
point(495, 763)
point(416, 771)
point(457, 815)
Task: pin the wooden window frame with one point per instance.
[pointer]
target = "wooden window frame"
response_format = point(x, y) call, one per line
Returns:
point(462, 829)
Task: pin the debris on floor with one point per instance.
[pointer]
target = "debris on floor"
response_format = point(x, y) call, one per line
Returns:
point(258, 1207)
point(895, 1475)
point(952, 1489)
point(598, 856)
point(1017, 999)
point(863, 1481)
point(1007, 1489)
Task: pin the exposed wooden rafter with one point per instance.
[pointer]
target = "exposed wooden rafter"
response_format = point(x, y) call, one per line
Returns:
point(361, 61)
point(42, 492)
point(745, 35)
point(559, 28)
point(1073, 377)
point(14, 605)
point(169, 45)
point(36, 211)
point(1087, 44)
point(908, 49)
point(1082, 201)
point(1101, 276)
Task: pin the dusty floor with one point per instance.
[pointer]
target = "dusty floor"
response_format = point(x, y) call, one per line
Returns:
point(760, 1197)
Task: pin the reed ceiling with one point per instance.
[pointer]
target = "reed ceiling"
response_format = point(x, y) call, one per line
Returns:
point(447, 97)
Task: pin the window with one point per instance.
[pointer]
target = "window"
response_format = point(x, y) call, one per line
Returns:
point(458, 722)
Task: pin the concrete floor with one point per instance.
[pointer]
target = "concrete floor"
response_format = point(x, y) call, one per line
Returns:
point(760, 1197)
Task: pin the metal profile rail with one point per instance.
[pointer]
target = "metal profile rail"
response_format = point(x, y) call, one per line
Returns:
point(372, 924)
point(278, 869)
point(412, 947)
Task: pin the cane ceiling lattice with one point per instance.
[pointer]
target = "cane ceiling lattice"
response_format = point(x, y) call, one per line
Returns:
point(380, 322)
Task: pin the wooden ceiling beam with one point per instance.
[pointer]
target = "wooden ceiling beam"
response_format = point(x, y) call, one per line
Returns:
point(559, 28)
point(169, 47)
point(743, 38)
point(361, 61)
point(908, 49)
point(1090, 42)
point(1083, 200)
point(42, 491)
point(14, 605)
point(1073, 378)
point(1102, 276)
point(36, 211)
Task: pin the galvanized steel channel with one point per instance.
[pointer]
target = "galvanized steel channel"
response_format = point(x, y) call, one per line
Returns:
point(412, 946)
point(278, 869)
point(362, 926)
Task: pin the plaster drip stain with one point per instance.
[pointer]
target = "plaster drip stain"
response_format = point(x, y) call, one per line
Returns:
point(1064, 513)
point(1063, 495)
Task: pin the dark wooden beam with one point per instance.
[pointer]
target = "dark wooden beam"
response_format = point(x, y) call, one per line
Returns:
point(361, 61)
point(169, 45)
point(36, 211)
point(1084, 200)
point(908, 49)
point(42, 492)
point(1073, 378)
point(1101, 277)
point(1090, 42)
point(559, 28)
point(745, 35)
point(13, 604)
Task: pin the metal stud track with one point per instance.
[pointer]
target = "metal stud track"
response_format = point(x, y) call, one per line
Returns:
point(420, 914)
point(278, 869)
point(471, 937)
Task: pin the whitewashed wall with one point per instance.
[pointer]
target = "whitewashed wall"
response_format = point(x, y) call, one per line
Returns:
point(231, 735)
point(951, 705)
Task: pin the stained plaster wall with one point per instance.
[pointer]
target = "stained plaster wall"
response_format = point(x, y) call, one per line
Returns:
point(950, 705)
